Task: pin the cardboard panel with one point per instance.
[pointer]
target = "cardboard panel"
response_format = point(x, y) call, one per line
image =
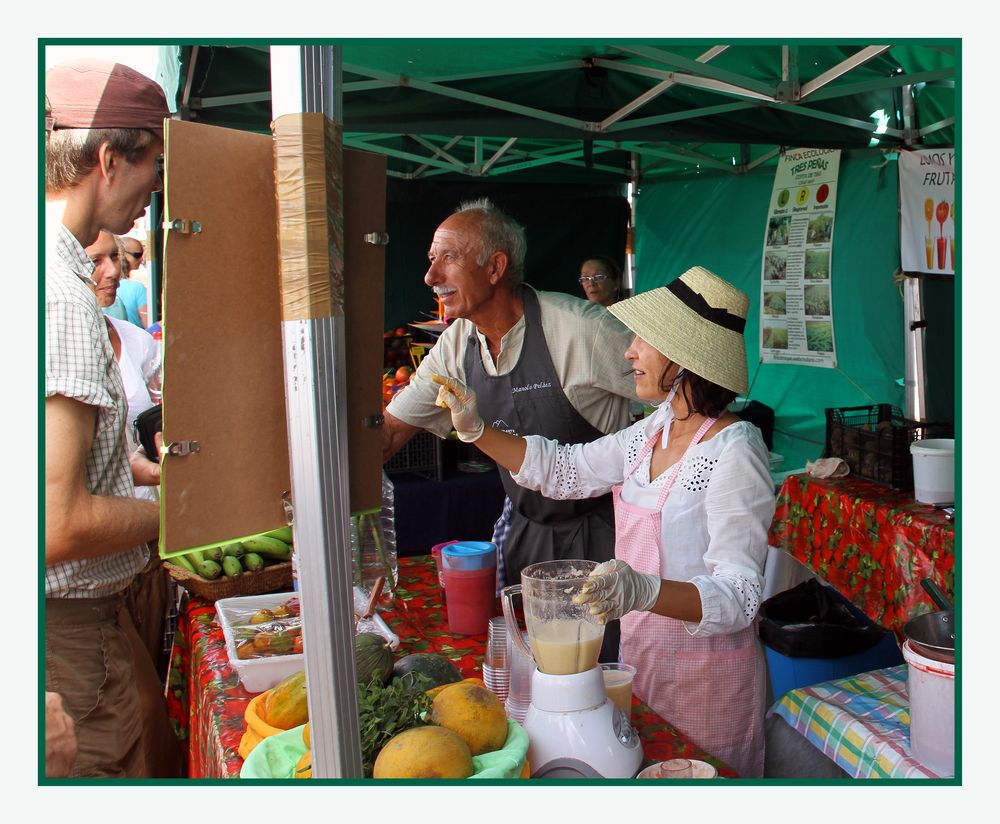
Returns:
point(223, 373)
point(364, 291)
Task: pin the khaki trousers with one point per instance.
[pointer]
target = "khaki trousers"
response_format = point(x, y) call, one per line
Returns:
point(89, 662)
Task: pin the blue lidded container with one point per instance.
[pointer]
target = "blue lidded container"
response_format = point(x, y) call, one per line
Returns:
point(468, 556)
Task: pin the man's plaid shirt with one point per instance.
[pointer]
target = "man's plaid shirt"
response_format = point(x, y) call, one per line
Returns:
point(80, 364)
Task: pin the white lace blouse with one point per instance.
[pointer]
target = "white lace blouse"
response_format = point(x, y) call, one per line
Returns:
point(714, 522)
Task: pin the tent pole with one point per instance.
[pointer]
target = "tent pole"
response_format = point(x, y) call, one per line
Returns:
point(633, 189)
point(915, 340)
point(306, 79)
point(914, 349)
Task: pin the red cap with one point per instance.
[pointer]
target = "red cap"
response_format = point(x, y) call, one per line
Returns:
point(97, 94)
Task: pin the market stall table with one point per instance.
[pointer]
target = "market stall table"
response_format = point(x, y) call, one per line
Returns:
point(873, 545)
point(862, 723)
point(207, 701)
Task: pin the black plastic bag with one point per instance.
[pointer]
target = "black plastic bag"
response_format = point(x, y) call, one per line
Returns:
point(145, 426)
point(812, 621)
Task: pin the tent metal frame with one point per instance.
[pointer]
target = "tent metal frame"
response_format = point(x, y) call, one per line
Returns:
point(470, 155)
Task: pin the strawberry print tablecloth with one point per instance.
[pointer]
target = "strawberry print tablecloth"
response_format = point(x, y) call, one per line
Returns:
point(873, 545)
point(207, 701)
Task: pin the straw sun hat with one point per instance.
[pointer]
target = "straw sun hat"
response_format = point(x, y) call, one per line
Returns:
point(697, 321)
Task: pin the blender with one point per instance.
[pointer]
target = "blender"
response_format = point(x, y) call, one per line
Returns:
point(573, 729)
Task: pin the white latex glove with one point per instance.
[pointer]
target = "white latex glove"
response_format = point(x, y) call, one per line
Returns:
point(461, 400)
point(615, 588)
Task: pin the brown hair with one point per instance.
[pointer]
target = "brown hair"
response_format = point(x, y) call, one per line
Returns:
point(703, 397)
point(71, 154)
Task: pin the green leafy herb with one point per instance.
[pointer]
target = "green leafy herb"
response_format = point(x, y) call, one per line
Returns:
point(386, 711)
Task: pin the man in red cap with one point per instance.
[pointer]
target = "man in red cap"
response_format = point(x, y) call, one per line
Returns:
point(104, 129)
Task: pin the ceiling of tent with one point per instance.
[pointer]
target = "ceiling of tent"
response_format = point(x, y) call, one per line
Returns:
point(585, 110)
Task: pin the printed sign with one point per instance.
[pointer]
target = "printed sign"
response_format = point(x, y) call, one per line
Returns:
point(796, 303)
point(927, 211)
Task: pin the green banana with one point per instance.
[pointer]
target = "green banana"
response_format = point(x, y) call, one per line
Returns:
point(231, 566)
point(234, 549)
point(183, 561)
point(252, 562)
point(268, 547)
point(213, 554)
point(283, 533)
point(203, 566)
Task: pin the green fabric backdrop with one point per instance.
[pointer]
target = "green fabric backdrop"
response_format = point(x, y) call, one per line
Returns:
point(719, 222)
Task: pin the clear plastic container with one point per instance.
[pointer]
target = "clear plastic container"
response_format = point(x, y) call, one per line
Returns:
point(373, 545)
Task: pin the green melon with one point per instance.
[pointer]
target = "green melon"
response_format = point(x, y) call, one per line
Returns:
point(372, 658)
point(438, 669)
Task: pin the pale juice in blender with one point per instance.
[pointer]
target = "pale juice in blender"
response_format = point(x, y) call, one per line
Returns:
point(565, 646)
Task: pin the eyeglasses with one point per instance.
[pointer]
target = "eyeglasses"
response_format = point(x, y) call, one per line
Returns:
point(584, 279)
point(136, 255)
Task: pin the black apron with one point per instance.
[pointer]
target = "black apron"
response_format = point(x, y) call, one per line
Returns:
point(529, 400)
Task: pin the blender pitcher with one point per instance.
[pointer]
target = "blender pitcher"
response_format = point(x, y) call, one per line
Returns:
point(573, 729)
point(565, 638)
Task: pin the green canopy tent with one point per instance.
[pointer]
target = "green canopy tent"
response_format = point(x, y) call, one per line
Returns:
point(696, 126)
point(693, 128)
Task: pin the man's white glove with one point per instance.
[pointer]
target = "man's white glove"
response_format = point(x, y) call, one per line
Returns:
point(461, 400)
point(614, 588)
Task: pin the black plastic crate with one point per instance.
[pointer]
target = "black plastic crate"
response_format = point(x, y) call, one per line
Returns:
point(875, 442)
point(421, 455)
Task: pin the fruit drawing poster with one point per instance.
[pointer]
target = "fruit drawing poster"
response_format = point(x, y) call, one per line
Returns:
point(796, 322)
point(927, 211)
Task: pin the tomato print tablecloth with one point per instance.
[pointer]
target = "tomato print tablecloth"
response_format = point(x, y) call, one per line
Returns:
point(873, 545)
point(206, 700)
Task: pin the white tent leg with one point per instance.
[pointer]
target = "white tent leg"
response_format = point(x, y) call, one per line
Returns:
point(303, 80)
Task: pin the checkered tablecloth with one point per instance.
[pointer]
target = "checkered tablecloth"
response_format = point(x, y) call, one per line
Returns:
point(862, 723)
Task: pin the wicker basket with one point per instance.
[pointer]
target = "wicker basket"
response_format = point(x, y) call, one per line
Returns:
point(275, 578)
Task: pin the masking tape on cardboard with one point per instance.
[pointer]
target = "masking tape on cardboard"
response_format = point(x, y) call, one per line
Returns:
point(308, 170)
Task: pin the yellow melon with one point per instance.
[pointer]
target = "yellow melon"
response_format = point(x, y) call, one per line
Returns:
point(473, 712)
point(424, 752)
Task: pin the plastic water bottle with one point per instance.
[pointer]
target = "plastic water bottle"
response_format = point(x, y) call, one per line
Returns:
point(373, 544)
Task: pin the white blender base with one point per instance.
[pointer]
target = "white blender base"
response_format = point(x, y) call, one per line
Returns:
point(596, 741)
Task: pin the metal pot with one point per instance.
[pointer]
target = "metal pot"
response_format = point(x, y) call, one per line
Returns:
point(933, 634)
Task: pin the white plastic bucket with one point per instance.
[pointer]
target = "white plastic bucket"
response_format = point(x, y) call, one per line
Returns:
point(931, 688)
point(934, 470)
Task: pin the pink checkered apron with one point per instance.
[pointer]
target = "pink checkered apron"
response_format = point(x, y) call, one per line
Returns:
point(711, 689)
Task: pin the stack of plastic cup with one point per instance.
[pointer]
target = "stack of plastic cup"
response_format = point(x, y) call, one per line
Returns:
point(496, 675)
point(470, 580)
point(521, 670)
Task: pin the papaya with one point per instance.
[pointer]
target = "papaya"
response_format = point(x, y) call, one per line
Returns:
point(304, 768)
point(286, 705)
point(424, 752)
point(474, 713)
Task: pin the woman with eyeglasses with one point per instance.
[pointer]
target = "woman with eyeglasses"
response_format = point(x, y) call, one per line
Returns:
point(601, 280)
point(132, 292)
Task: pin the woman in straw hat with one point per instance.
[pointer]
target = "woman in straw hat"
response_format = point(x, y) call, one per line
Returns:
point(693, 502)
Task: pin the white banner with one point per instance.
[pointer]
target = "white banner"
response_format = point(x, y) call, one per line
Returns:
point(927, 211)
point(796, 304)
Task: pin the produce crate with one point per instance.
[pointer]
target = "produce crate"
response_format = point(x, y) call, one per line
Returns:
point(875, 442)
point(421, 455)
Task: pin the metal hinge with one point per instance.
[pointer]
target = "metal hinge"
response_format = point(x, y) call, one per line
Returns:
point(180, 448)
point(377, 238)
point(183, 226)
point(373, 421)
point(286, 504)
